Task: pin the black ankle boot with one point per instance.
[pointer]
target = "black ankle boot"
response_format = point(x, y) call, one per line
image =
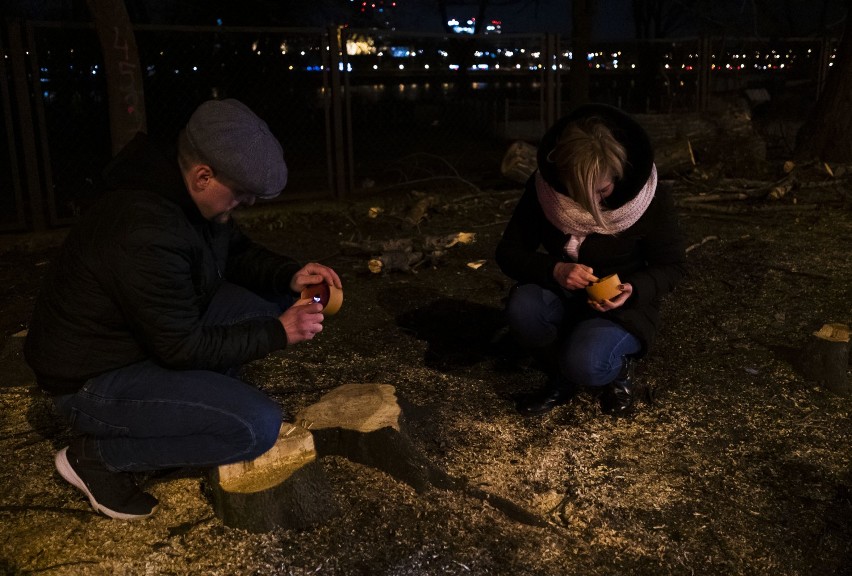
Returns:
point(543, 400)
point(619, 396)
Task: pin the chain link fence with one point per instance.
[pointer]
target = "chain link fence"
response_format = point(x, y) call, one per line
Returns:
point(354, 109)
point(432, 107)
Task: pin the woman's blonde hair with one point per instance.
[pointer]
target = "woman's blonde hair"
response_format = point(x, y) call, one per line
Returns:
point(585, 152)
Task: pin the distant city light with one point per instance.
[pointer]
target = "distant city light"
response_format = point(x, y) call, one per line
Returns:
point(360, 45)
point(369, 51)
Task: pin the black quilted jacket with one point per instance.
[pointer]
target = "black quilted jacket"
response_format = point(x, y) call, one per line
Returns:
point(650, 255)
point(135, 276)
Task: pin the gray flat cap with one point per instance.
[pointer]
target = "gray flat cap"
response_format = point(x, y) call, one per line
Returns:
point(236, 142)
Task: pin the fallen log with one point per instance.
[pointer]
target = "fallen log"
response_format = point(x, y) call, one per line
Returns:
point(422, 244)
point(419, 210)
point(395, 261)
point(370, 247)
point(713, 198)
point(406, 254)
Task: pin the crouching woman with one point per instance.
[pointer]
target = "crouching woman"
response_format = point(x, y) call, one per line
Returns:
point(592, 209)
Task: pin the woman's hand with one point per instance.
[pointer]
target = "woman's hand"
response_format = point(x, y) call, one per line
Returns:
point(573, 276)
point(613, 303)
point(314, 273)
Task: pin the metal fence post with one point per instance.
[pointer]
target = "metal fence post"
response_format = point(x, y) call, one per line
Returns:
point(338, 132)
point(27, 125)
point(823, 66)
point(550, 77)
point(8, 122)
point(705, 62)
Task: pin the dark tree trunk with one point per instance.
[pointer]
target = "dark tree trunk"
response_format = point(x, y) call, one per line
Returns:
point(479, 25)
point(442, 12)
point(827, 133)
point(582, 17)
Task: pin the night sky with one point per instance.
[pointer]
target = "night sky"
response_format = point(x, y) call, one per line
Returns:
point(522, 16)
point(613, 19)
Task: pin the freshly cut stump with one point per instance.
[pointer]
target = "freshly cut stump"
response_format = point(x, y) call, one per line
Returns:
point(364, 423)
point(825, 358)
point(284, 486)
point(361, 422)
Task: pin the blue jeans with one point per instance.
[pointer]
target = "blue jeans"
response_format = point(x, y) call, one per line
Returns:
point(146, 417)
point(588, 351)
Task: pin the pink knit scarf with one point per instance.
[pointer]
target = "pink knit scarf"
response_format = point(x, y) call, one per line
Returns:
point(570, 218)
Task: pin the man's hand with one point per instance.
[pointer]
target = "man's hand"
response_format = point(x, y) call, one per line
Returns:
point(302, 321)
point(573, 276)
point(314, 273)
point(613, 303)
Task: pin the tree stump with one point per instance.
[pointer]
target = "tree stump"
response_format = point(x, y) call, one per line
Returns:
point(14, 367)
point(364, 423)
point(519, 162)
point(361, 422)
point(825, 358)
point(284, 487)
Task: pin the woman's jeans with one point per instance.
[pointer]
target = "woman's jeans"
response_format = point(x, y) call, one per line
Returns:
point(588, 352)
point(146, 417)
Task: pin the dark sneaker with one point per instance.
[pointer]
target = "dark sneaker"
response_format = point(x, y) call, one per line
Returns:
point(114, 494)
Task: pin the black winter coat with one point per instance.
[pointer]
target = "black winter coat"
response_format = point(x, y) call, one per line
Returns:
point(650, 255)
point(135, 277)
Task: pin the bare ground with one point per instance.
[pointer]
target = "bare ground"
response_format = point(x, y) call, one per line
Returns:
point(740, 466)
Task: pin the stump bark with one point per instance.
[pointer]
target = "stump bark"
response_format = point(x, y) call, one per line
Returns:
point(284, 487)
point(364, 423)
point(14, 367)
point(825, 358)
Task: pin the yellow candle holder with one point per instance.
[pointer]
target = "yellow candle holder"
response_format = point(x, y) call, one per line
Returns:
point(604, 289)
